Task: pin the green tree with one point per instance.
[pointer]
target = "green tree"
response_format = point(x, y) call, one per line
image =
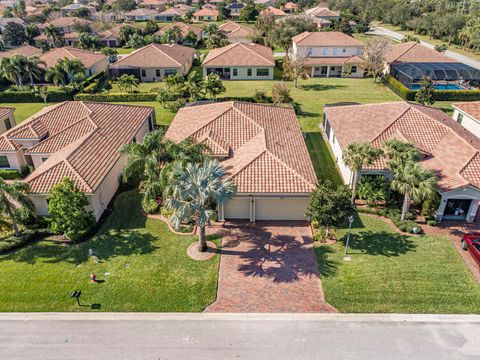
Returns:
point(415, 183)
point(193, 86)
point(56, 75)
point(150, 27)
point(441, 48)
point(216, 37)
point(281, 94)
point(82, 13)
point(173, 35)
point(214, 85)
point(42, 93)
point(136, 41)
point(68, 215)
point(53, 36)
point(88, 41)
point(193, 190)
point(399, 152)
point(32, 31)
point(33, 68)
point(125, 5)
point(294, 69)
point(190, 38)
point(357, 156)
point(13, 195)
point(13, 69)
point(289, 27)
point(374, 54)
point(127, 82)
point(14, 34)
point(330, 206)
point(248, 12)
point(426, 94)
point(110, 53)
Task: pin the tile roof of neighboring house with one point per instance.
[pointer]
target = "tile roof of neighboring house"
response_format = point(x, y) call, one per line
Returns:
point(76, 6)
point(83, 141)
point(65, 21)
point(113, 32)
point(87, 58)
point(156, 55)
point(290, 5)
point(414, 52)
point(274, 11)
point(173, 12)
point(206, 12)
point(325, 38)
point(25, 50)
point(451, 150)
point(470, 108)
point(153, 2)
point(354, 60)
point(262, 146)
point(237, 31)
point(239, 54)
point(322, 11)
point(5, 21)
point(184, 28)
point(141, 12)
point(71, 35)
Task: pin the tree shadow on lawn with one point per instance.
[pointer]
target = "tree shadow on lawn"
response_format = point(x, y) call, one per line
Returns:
point(105, 246)
point(382, 243)
point(326, 266)
point(320, 87)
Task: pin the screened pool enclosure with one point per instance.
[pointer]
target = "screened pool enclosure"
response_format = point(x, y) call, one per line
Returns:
point(448, 75)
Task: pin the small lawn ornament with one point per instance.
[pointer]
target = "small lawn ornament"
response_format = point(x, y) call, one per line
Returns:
point(93, 277)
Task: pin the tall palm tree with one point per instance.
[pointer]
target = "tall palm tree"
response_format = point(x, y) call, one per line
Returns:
point(9, 195)
point(53, 35)
point(357, 156)
point(71, 67)
point(194, 86)
point(13, 69)
point(398, 152)
point(56, 75)
point(193, 189)
point(33, 68)
point(415, 183)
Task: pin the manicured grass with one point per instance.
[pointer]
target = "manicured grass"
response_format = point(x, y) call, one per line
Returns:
point(148, 265)
point(124, 51)
point(393, 273)
point(366, 37)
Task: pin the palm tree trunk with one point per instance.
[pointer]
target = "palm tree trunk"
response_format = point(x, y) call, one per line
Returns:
point(405, 207)
point(356, 177)
point(202, 240)
point(14, 222)
point(31, 80)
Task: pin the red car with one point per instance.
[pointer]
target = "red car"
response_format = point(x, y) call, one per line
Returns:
point(471, 242)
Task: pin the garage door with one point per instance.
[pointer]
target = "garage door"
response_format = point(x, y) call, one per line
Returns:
point(281, 209)
point(237, 209)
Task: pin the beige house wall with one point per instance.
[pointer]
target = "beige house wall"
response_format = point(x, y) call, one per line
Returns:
point(10, 119)
point(242, 72)
point(97, 67)
point(468, 122)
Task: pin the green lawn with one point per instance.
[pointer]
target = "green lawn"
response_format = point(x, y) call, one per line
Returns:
point(393, 273)
point(148, 265)
point(366, 37)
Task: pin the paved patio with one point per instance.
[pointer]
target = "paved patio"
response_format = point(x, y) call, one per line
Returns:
point(268, 267)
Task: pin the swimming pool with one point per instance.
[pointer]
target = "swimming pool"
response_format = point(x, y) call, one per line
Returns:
point(440, 87)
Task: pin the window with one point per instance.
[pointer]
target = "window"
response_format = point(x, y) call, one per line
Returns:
point(4, 162)
point(235, 72)
point(332, 68)
point(249, 72)
point(170, 72)
point(44, 159)
point(151, 126)
point(263, 72)
point(354, 69)
point(460, 118)
point(144, 73)
point(333, 139)
point(335, 51)
point(8, 125)
point(344, 50)
point(324, 51)
point(157, 72)
point(309, 51)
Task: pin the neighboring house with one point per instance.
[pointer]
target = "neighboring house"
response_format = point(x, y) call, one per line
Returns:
point(93, 62)
point(275, 12)
point(155, 61)
point(154, 5)
point(206, 14)
point(238, 32)
point(66, 28)
point(107, 16)
point(184, 29)
point(329, 53)
point(66, 10)
point(140, 15)
point(410, 62)
point(110, 37)
point(25, 50)
point(79, 140)
point(290, 8)
point(235, 9)
point(323, 16)
point(262, 150)
point(240, 62)
point(264, 3)
point(5, 21)
point(171, 14)
point(445, 147)
point(7, 121)
point(467, 114)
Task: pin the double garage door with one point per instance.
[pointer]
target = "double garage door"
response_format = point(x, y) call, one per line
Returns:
point(266, 208)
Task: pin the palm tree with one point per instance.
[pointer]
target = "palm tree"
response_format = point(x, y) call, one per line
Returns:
point(13, 69)
point(53, 35)
point(398, 152)
point(213, 85)
point(9, 195)
point(33, 68)
point(415, 183)
point(56, 75)
point(356, 157)
point(193, 85)
point(174, 82)
point(193, 189)
point(127, 82)
point(71, 66)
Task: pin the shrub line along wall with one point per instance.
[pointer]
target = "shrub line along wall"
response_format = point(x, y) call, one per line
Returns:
point(440, 95)
point(143, 97)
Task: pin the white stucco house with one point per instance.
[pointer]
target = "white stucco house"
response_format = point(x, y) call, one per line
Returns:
point(240, 61)
point(329, 53)
point(79, 140)
point(445, 146)
point(467, 114)
point(263, 152)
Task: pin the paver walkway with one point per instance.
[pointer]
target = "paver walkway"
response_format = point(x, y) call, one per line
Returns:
point(268, 267)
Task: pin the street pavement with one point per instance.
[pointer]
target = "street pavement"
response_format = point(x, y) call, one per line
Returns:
point(378, 30)
point(237, 336)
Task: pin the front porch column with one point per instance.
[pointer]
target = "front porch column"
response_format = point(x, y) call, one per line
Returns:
point(221, 212)
point(328, 71)
point(313, 72)
point(252, 210)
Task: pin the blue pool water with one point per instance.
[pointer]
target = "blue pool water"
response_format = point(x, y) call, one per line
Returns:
point(440, 87)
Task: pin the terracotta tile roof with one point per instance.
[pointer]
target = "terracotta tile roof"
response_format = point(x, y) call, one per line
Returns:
point(354, 60)
point(173, 12)
point(274, 11)
point(325, 38)
point(206, 12)
point(66, 21)
point(6, 111)
point(450, 149)
point(290, 5)
point(262, 146)
point(141, 12)
point(25, 50)
point(322, 11)
point(470, 108)
point(184, 28)
point(414, 52)
point(88, 58)
point(83, 138)
point(236, 31)
point(156, 55)
point(113, 32)
point(239, 54)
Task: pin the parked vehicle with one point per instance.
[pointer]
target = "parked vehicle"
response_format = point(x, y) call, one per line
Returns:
point(471, 243)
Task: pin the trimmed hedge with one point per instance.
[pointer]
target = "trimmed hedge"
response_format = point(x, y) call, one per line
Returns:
point(10, 174)
point(117, 97)
point(12, 242)
point(440, 95)
point(9, 96)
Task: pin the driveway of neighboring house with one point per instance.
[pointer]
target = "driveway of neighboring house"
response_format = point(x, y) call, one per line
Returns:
point(268, 267)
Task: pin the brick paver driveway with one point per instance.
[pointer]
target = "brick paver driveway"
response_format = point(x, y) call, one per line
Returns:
point(268, 267)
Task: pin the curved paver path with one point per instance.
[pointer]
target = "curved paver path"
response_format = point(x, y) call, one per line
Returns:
point(268, 267)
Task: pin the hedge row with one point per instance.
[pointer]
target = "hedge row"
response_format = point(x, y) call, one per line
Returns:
point(9, 96)
point(440, 95)
point(9, 174)
point(13, 242)
point(144, 97)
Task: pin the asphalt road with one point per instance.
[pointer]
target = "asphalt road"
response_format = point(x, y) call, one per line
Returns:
point(378, 30)
point(239, 336)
